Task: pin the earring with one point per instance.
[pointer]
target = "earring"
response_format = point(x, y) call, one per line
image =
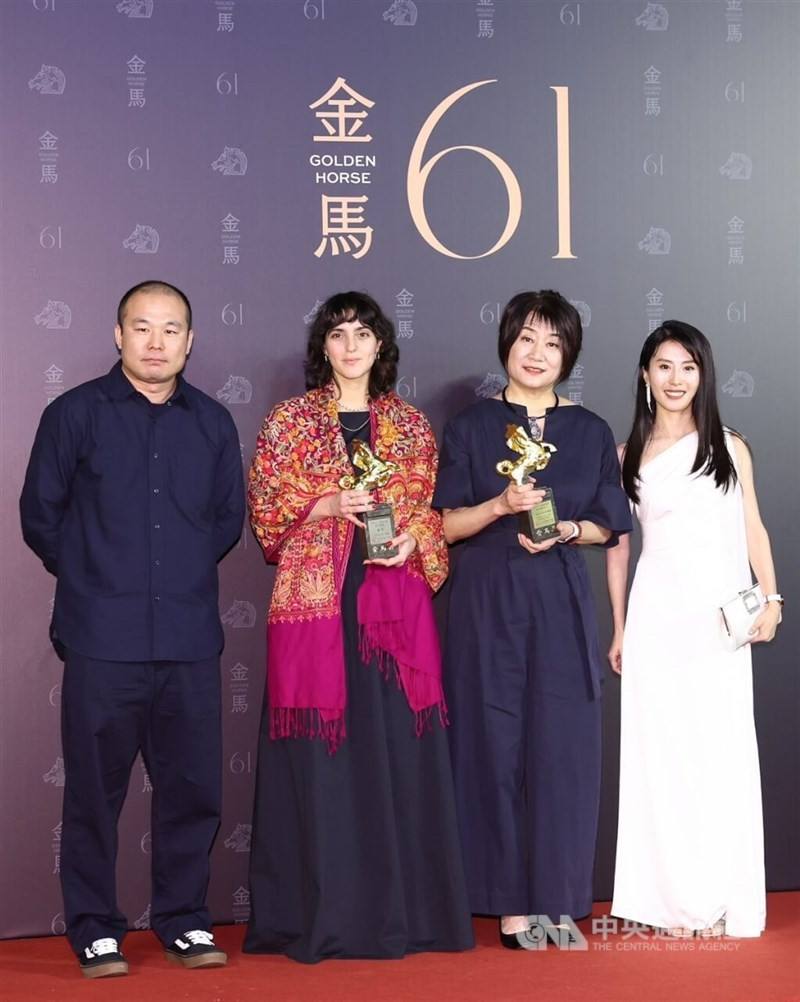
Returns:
point(325, 355)
point(648, 396)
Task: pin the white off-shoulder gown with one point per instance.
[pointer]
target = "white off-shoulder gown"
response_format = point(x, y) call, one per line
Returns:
point(690, 839)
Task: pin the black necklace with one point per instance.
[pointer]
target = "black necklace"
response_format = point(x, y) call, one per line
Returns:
point(533, 420)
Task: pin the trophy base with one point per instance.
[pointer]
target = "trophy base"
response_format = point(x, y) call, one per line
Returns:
point(540, 523)
point(379, 530)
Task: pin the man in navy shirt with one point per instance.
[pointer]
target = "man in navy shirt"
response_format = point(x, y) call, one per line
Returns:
point(133, 493)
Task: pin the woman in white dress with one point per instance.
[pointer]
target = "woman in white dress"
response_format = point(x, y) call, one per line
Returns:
point(690, 854)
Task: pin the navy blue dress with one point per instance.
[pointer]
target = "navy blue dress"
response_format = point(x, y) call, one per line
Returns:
point(523, 667)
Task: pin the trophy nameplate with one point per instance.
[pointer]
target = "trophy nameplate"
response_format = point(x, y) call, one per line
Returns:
point(379, 531)
point(541, 522)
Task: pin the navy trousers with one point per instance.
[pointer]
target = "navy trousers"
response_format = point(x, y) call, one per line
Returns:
point(170, 711)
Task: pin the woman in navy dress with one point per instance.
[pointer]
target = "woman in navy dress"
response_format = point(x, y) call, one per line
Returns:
point(522, 661)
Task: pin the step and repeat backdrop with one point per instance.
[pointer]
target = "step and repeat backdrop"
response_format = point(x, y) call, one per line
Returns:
point(443, 155)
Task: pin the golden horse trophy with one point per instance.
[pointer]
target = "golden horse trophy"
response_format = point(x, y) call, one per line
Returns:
point(375, 472)
point(540, 523)
point(379, 527)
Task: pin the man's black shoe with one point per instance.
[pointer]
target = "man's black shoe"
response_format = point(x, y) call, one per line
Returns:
point(103, 960)
point(196, 949)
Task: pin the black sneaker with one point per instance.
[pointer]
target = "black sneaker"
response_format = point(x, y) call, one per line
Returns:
point(196, 949)
point(103, 960)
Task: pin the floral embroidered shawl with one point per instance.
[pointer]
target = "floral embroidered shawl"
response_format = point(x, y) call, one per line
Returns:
point(300, 456)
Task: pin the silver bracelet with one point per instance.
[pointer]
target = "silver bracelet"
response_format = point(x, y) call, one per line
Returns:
point(576, 531)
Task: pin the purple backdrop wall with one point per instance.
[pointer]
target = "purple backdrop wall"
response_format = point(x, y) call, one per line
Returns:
point(641, 157)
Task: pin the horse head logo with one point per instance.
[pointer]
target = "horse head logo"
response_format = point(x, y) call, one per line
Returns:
point(241, 615)
point(584, 311)
point(657, 241)
point(491, 384)
point(312, 312)
point(741, 384)
point(55, 316)
point(239, 838)
point(402, 13)
point(143, 240)
point(49, 80)
point(135, 8)
point(237, 390)
point(738, 167)
point(533, 455)
point(655, 17)
point(55, 774)
point(232, 161)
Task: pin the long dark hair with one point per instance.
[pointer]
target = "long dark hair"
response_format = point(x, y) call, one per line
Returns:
point(712, 458)
point(342, 308)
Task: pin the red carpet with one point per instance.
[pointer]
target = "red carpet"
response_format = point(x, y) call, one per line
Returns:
point(614, 969)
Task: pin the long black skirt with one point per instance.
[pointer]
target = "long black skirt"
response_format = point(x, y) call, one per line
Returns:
point(357, 854)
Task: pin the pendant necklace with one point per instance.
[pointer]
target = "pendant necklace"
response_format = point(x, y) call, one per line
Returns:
point(533, 420)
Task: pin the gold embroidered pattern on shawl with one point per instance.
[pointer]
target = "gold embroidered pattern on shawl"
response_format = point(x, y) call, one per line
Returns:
point(300, 456)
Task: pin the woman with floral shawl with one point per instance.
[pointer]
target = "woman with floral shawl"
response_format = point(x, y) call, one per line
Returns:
point(355, 848)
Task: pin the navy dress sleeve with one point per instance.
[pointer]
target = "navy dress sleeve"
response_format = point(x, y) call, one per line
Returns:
point(609, 508)
point(454, 480)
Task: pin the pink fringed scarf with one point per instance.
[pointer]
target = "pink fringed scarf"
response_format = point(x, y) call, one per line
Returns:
point(307, 694)
point(397, 626)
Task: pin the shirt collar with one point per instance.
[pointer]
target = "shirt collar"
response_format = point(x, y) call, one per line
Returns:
point(119, 387)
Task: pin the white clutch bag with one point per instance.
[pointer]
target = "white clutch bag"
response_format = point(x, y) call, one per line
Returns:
point(739, 614)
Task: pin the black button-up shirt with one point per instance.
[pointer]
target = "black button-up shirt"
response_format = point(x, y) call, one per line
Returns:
point(131, 504)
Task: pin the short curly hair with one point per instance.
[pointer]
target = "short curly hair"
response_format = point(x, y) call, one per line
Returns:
point(342, 308)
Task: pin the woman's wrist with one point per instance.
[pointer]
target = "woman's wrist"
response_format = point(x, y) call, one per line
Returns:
point(330, 505)
point(500, 506)
point(575, 533)
point(326, 507)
